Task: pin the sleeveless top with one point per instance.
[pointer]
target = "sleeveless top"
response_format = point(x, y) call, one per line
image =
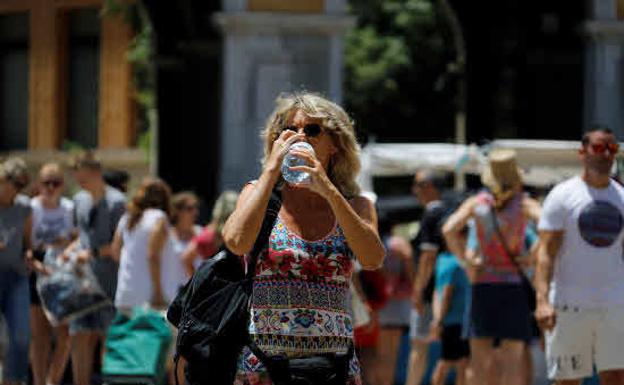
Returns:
point(134, 283)
point(300, 294)
point(498, 268)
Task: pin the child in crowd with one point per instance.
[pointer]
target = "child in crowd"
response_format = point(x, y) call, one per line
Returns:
point(451, 293)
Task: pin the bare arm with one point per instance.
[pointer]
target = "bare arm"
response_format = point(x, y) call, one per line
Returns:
point(359, 223)
point(30, 261)
point(157, 240)
point(454, 225)
point(28, 232)
point(188, 257)
point(443, 305)
point(242, 227)
point(116, 246)
point(549, 245)
point(532, 209)
point(426, 263)
point(401, 247)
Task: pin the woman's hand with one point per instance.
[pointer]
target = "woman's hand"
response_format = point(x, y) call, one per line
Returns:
point(280, 149)
point(319, 181)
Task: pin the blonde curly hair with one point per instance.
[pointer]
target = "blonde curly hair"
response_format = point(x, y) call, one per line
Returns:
point(344, 165)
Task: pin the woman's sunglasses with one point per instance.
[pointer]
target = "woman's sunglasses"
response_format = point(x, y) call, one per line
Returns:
point(190, 207)
point(311, 130)
point(600, 148)
point(53, 183)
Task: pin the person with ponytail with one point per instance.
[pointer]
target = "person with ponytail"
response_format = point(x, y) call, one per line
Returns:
point(138, 245)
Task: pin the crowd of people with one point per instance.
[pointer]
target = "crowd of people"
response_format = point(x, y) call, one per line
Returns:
point(141, 251)
point(488, 287)
point(477, 276)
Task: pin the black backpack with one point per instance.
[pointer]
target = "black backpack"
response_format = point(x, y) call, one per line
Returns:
point(211, 311)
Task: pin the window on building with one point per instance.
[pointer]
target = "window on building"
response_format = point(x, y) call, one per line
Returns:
point(84, 66)
point(14, 81)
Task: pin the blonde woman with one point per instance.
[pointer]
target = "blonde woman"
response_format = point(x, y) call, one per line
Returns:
point(52, 230)
point(210, 240)
point(299, 305)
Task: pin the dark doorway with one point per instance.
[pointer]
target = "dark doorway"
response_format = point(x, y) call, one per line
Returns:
point(524, 68)
point(189, 94)
point(14, 81)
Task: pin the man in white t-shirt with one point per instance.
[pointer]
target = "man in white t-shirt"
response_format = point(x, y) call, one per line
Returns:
point(580, 271)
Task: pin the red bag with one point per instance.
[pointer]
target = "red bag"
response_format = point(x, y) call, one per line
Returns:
point(367, 336)
point(376, 288)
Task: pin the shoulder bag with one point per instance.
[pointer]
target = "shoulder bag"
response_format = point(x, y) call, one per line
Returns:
point(527, 286)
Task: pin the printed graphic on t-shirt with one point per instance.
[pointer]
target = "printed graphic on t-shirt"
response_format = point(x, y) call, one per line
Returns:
point(600, 223)
point(49, 229)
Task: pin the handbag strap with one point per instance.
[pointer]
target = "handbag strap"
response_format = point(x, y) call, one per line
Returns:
point(503, 242)
point(270, 216)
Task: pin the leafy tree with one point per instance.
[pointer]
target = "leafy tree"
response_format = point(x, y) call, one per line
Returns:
point(398, 81)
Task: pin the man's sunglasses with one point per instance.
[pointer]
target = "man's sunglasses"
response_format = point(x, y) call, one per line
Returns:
point(54, 183)
point(311, 130)
point(600, 148)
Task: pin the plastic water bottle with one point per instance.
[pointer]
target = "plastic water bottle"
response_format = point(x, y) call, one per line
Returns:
point(291, 176)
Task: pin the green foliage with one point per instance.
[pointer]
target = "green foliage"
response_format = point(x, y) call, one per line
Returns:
point(71, 146)
point(396, 63)
point(145, 142)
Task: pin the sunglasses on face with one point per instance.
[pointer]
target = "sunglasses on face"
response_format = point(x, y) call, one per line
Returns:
point(52, 183)
point(311, 130)
point(190, 207)
point(600, 148)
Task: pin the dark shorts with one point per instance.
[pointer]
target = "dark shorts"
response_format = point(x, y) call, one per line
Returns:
point(454, 346)
point(499, 311)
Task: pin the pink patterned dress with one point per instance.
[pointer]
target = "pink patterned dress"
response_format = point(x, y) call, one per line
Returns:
point(300, 301)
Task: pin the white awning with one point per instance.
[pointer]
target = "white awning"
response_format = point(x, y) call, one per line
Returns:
point(544, 162)
point(395, 159)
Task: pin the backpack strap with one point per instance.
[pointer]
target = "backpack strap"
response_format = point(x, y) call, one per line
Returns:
point(505, 245)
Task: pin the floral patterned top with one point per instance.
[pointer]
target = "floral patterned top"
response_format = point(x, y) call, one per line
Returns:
point(300, 303)
point(498, 266)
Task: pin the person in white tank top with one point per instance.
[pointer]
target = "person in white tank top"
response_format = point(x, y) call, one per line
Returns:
point(138, 247)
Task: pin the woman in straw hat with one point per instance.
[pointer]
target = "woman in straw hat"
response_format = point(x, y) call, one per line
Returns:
point(499, 309)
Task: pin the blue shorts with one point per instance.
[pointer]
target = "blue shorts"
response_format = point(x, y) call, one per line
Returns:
point(499, 311)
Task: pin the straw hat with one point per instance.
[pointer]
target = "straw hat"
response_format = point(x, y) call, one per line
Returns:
point(502, 172)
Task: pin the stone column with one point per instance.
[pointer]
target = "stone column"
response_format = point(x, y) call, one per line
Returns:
point(603, 67)
point(265, 54)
